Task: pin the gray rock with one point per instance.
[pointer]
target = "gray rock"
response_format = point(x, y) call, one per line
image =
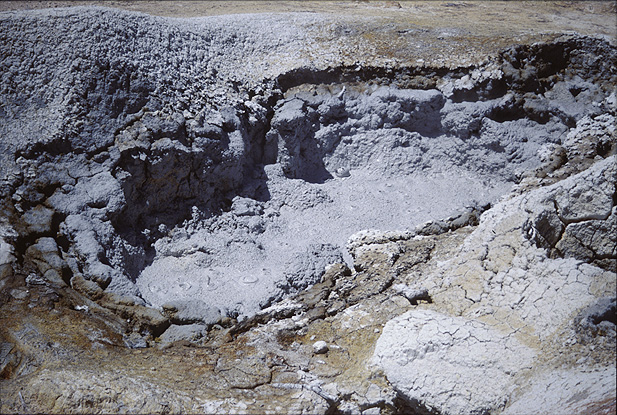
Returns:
point(469, 217)
point(45, 250)
point(590, 239)
point(45, 254)
point(546, 228)
point(463, 119)
point(87, 247)
point(7, 258)
point(577, 217)
point(320, 347)
point(191, 311)
point(572, 390)
point(602, 314)
point(243, 206)
point(101, 191)
point(190, 332)
point(588, 200)
point(298, 153)
point(8, 361)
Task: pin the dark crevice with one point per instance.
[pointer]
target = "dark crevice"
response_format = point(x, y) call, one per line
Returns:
point(506, 113)
point(63, 242)
point(404, 406)
point(55, 147)
point(598, 318)
point(583, 219)
point(21, 244)
point(608, 315)
point(606, 148)
point(408, 77)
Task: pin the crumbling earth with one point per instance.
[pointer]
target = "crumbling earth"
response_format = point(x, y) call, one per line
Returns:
point(304, 212)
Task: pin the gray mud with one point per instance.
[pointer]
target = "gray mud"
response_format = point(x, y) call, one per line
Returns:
point(178, 161)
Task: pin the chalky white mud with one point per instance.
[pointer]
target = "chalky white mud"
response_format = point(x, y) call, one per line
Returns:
point(242, 266)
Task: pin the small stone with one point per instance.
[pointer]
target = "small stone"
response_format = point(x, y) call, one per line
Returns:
point(414, 295)
point(320, 347)
point(19, 294)
point(342, 172)
point(190, 332)
point(135, 341)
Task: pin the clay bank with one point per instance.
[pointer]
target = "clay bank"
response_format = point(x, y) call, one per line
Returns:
point(308, 211)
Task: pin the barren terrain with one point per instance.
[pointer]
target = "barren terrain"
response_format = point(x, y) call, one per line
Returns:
point(368, 207)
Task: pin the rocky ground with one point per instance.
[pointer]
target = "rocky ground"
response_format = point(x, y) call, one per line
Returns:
point(316, 207)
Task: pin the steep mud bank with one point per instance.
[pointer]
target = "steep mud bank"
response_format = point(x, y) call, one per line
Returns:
point(182, 176)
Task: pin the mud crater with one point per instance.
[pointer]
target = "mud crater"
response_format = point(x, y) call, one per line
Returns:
point(224, 207)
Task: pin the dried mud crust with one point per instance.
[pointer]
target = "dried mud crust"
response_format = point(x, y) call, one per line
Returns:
point(269, 363)
point(269, 357)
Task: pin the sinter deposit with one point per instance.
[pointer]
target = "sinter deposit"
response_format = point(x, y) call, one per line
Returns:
point(314, 236)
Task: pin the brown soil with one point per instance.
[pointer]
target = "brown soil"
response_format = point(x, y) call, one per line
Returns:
point(429, 33)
